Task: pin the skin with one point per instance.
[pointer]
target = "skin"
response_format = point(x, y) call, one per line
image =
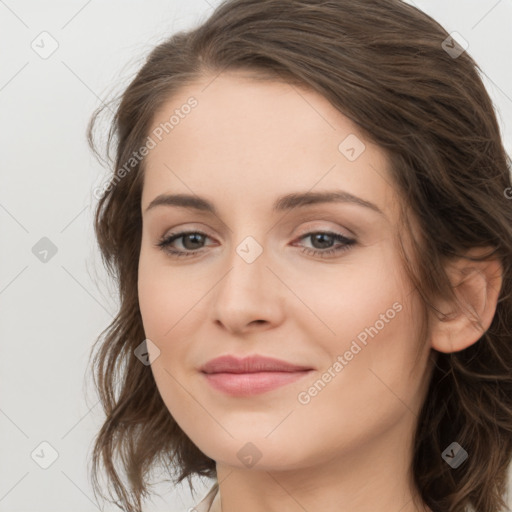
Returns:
point(247, 143)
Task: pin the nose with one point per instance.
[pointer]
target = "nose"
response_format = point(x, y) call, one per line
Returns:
point(249, 297)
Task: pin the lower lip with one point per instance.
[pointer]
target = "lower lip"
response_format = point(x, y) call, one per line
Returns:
point(246, 384)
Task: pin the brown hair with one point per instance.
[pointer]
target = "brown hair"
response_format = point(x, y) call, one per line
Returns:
point(382, 64)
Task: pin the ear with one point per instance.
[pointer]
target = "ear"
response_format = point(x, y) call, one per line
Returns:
point(477, 286)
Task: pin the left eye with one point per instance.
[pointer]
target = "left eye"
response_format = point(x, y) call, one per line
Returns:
point(191, 242)
point(324, 240)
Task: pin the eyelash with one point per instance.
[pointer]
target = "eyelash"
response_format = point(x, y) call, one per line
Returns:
point(165, 244)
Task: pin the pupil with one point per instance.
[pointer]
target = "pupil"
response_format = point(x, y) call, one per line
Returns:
point(324, 239)
point(193, 238)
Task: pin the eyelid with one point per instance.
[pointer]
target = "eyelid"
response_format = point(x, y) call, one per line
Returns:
point(187, 228)
point(334, 232)
point(315, 228)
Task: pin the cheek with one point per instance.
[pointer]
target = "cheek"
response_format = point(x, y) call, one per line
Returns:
point(166, 304)
point(168, 296)
point(171, 302)
point(371, 317)
point(377, 381)
point(350, 297)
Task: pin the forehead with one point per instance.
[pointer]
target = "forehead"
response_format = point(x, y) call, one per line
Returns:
point(251, 140)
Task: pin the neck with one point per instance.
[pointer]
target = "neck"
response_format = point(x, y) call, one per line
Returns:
point(375, 478)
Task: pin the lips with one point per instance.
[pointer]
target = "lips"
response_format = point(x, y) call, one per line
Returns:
point(251, 375)
point(250, 364)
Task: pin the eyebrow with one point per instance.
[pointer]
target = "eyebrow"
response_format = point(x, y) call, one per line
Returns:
point(283, 203)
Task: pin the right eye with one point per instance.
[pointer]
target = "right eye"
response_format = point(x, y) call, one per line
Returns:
point(191, 242)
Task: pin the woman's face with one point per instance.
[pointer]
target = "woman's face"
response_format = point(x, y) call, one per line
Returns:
point(260, 278)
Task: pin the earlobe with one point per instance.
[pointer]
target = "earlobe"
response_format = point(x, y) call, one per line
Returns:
point(476, 285)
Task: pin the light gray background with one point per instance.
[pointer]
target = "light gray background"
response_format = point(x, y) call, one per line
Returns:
point(50, 313)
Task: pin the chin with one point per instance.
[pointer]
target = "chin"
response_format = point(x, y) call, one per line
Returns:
point(257, 453)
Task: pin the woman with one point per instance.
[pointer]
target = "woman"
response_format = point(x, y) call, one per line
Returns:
point(310, 227)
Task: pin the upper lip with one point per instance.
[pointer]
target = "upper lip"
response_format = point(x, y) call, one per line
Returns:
point(250, 364)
